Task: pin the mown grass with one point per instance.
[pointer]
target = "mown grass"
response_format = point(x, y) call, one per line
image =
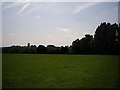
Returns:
point(60, 71)
point(0, 70)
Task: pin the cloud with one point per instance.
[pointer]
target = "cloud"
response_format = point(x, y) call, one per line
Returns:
point(36, 6)
point(67, 32)
point(65, 35)
point(23, 8)
point(12, 5)
point(24, 4)
point(83, 6)
point(32, 9)
point(62, 36)
point(64, 29)
point(37, 16)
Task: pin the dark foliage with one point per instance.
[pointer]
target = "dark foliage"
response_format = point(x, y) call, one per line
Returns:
point(83, 46)
point(41, 49)
point(105, 41)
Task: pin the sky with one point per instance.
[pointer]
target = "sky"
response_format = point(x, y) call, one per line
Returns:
point(48, 23)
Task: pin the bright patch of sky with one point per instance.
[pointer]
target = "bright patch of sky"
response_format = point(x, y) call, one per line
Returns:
point(57, 23)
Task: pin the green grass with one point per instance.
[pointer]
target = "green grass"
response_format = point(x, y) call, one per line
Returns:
point(60, 71)
point(0, 70)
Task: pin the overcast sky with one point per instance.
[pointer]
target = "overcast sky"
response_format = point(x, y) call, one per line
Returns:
point(57, 23)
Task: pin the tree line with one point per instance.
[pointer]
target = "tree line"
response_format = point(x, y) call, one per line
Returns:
point(106, 40)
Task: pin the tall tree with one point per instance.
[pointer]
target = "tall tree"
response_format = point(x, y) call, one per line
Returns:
point(118, 39)
point(105, 38)
point(75, 48)
point(87, 44)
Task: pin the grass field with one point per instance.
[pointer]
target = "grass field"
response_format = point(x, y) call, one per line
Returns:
point(60, 71)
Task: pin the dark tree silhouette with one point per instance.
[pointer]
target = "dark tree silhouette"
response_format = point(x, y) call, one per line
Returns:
point(41, 49)
point(64, 50)
point(75, 48)
point(51, 49)
point(87, 44)
point(83, 46)
point(106, 38)
point(118, 39)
